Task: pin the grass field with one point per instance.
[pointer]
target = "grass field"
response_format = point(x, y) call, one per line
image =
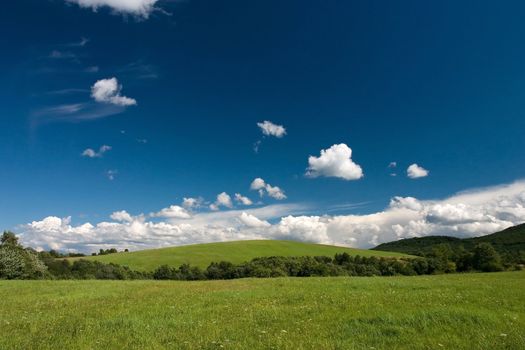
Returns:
point(236, 252)
point(471, 311)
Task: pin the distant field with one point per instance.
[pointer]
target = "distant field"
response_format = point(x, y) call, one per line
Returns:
point(236, 252)
point(470, 311)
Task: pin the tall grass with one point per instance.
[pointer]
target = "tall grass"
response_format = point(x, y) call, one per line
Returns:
point(470, 311)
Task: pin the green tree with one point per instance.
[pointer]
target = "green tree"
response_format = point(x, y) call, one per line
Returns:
point(486, 258)
point(9, 238)
point(17, 262)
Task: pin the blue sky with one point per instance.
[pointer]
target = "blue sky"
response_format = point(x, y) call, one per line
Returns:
point(438, 84)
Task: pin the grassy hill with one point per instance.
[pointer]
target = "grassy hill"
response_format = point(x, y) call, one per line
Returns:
point(509, 241)
point(236, 252)
point(456, 311)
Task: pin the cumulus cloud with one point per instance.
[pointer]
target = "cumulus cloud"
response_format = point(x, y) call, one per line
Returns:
point(139, 8)
point(242, 199)
point(173, 211)
point(121, 216)
point(334, 162)
point(91, 153)
point(108, 91)
point(414, 171)
point(223, 200)
point(465, 214)
point(266, 189)
point(192, 203)
point(270, 129)
point(258, 184)
point(136, 232)
point(250, 220)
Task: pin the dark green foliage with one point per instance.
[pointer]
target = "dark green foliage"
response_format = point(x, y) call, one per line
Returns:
point(184, 272)
point(106, 251)
point(509, 243)
point(223, 270)
point(17, 262)
point(486, 258)
point(9, 238)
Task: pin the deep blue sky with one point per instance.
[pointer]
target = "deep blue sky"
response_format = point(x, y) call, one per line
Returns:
point(437, 83)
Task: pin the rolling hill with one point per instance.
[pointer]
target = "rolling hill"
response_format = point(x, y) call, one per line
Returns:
point(509, 241)
point(236, 252)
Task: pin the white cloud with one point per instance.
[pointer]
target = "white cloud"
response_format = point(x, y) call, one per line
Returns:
point(258, 184)
point(414, 171)
point(223, 200)
point(139, 8)
point(250, 220)
point(121, 216)
point(108, 91)
point(469, 214)
point(263, 188)
point(334, 162)
point(56, 233)
point(173, 211)
point(466, 214)
point(242, 199)
point(270, 129)
point(90, 153)
point(192, 203)
point(275, 192)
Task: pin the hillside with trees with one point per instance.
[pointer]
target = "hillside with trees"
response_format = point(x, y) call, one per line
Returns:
point(509, 243)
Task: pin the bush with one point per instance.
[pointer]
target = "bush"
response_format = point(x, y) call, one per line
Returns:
point(17, 262)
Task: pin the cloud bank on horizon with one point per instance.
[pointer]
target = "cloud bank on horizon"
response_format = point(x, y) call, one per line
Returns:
point(466, 214)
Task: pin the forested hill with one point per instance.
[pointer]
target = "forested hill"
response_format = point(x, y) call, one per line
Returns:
point(509, 241)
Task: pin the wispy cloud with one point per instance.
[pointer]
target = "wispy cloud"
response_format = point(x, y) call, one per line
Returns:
point(140, 70)
point(92, 69)
point(76, 112)
point(67, 91)
point(81, 43)
point(56, 54)
point(111, 174)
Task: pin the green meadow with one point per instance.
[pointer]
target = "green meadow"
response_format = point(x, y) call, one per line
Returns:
point(459, 311)
point(237, 252)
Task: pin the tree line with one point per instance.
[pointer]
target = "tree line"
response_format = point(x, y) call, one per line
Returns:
point(17, 262)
